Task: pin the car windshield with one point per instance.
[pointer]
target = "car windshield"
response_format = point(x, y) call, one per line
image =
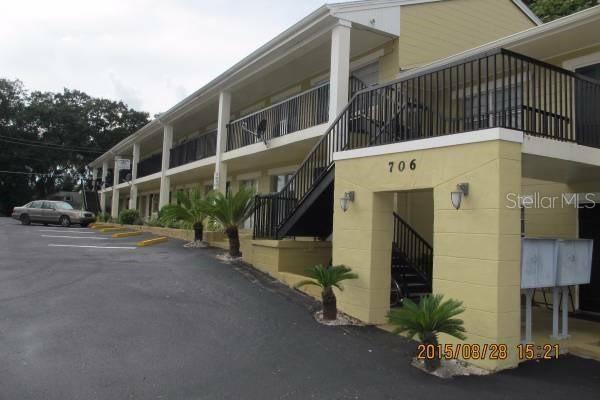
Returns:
point(61, 205)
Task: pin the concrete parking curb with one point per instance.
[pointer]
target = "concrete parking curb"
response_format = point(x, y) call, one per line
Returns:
point(114, 229)
point(151, 242)
point(127, 234)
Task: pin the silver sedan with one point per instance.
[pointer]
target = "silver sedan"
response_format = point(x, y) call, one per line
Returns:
point(52, 212)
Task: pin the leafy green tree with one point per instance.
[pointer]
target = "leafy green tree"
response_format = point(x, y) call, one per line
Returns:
point(230, 211)
point(548, 10)
point(190, 209)
point(427, 320)
point(54, 135)
point(327, 278)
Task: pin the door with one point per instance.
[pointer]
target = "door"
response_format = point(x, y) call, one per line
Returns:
point(49, 212)
point(589, 228)
point(35, 211)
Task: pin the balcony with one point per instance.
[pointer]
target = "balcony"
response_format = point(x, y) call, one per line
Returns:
point(193, 150)
point(150, 165)
point(299, 112)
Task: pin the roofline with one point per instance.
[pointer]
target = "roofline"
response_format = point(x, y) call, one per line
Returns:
point(220, 81)
point(528, 12)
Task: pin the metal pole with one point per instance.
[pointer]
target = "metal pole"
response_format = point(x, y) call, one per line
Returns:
point(555, 306)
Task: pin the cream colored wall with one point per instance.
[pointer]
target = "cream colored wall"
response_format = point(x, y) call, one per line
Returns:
point(477, 248)
point(416, 208)
point(436, 30)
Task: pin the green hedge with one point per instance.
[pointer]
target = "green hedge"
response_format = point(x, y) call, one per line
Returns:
point(129, 217)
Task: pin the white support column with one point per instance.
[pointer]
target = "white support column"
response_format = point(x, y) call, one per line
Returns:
point(114, 209)
point(103, 193)
point(220, 177)
point(165, 181)
point(94, 177)
point(340, 68)
point(133, 192)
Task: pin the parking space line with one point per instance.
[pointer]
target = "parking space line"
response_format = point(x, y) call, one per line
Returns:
point(92, 247)
point(75, 237)
point(67, 231)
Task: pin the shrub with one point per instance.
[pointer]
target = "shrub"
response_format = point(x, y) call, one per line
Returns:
point(128, 217)
point(154, 221)
point(103, 217)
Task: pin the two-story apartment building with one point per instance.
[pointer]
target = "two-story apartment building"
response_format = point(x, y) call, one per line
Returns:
point(390, 136)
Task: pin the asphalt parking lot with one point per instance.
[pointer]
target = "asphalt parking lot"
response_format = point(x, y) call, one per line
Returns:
point(85, 316)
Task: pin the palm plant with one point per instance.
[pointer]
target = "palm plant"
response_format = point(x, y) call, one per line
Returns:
point(326, 278)
point(190, 210)
point(230, 212)
point(427, 320)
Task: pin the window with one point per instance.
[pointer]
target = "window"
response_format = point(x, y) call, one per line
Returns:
point(36, 204)
point(61, 205)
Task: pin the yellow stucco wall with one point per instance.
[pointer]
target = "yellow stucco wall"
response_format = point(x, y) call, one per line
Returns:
point(431, 31)
point(477, 248)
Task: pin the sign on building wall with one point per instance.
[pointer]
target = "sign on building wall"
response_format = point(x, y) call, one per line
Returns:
point(123, 163)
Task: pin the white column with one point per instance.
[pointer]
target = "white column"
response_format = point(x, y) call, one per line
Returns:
point(165, 181)
point(114, 209)
point(103, 193)
point(340, 68)
point(220, 177)
point(94, 177)
point(133, 192)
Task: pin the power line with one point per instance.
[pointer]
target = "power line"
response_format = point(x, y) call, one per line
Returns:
point(45, 146)
point(29, 173)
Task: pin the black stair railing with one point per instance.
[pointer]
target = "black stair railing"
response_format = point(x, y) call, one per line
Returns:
point(493, 89)
point(413, 248)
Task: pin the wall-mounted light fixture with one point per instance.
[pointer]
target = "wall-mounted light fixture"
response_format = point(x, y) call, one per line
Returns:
point(456, 197)
point(345, 201)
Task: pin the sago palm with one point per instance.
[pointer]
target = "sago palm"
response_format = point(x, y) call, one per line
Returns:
point(230, 211)
point(190, 210)
point(427, 320)
point(327, 278)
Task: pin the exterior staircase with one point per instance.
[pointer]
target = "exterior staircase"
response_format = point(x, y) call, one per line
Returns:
point(412, 264)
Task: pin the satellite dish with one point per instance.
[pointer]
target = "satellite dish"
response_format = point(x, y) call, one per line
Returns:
point(260, 131)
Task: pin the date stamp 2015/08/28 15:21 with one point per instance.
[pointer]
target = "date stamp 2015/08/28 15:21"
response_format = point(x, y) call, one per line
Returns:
point(466, 351)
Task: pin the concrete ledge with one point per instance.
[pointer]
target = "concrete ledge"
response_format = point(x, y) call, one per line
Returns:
point(115, 229)
point(183, 234)
point(150, 242)
point(275, 257)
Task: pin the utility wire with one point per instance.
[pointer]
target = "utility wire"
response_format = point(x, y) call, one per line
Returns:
point(50, 147)
point(47, 144)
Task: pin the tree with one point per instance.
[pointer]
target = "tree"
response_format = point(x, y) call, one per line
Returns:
point(230, 212)
point(427, 320)
point(326, 278)
point(548, 10)
point(54, 136)
point(190, 209)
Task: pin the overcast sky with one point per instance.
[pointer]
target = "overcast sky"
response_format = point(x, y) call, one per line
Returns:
point(148, 53)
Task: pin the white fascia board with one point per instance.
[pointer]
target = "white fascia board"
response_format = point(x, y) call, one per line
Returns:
point(567, 151)
point(527, 11)
point(383, 19)
point(455, 139)
point(248, 176)
point(282, 170)
point(148, 178)
point(298, 136)
point(193, 165)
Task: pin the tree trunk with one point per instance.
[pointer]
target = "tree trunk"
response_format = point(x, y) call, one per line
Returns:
point(198, 232)
point(329, 304)
point(234, 241)
point(431, 364)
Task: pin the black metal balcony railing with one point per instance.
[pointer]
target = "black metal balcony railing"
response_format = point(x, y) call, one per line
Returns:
point(196, 149)
point(299, 112)
point(496, 89)
point(150, 165)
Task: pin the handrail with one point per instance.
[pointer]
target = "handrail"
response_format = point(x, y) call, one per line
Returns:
point(494, 89)
point(415, 250)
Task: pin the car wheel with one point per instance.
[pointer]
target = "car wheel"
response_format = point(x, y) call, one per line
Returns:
point(64, 221)
point(25, 219)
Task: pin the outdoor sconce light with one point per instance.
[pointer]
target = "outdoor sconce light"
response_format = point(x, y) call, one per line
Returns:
point(345, 201)
point(456, 197)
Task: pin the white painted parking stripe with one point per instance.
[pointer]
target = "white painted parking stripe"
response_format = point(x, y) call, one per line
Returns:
point(93, 247)
point(66, 231)
point(75, 237)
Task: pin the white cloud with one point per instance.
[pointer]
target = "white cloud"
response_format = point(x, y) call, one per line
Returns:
point(155, 51)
